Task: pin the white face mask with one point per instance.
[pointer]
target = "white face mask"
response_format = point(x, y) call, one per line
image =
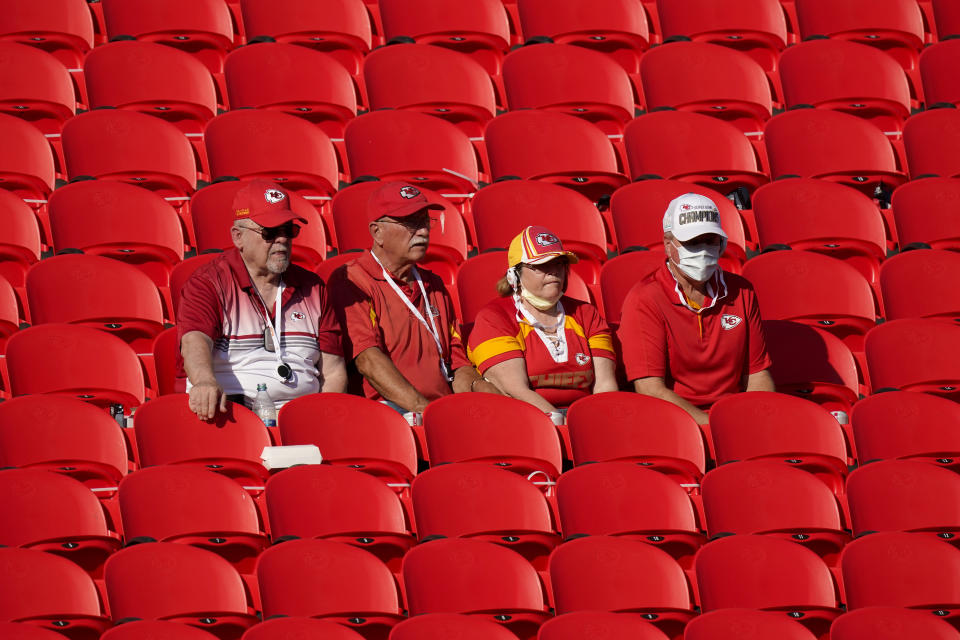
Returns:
point(699, 261)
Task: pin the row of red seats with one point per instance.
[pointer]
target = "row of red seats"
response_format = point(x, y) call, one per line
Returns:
point(334, 581)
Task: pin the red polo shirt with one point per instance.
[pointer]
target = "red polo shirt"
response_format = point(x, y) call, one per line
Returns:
point(702, 355)
point(373, 315)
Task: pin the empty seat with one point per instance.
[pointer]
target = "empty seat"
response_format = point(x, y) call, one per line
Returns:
point(53, 513)
point(42, 589)
point(619, 275)
point(947, 18)
point(782, 428)
point(744, 624)
point(166, 350)
point(911, 283)
point(642, 429)
point(341, 504)
point(26, 165)
point(168, 432)
point(600, 624)
point(440, 626)
point(902, 570)
point(444, 83)
point(890, 623)
point(174, 503)
point(495, 429)
point(710, 79)
point(909, 426)
point(923, 211)
point(848, 77)
point(295, 627)
point(823, 217)
point(929, 139)
point(474, 500)
point(536, 144)
point(914, 355)
point(91, 365)
point(36, 87)
point(937, 64)
point(478, 578)
point(769, 498)
point(818, 143)
point(96, 292)
point(61, 27)
point(331, 580)
point(904, 495)
point(179, 583)
point(405, 145)
point(182, 272)
point(624, 499)
point(155, 630)
point(692, 147)
point(604, 573)
point(9, 313)
point(762, 572)
point(20, 245)
point(569, 79)
point(27, 631)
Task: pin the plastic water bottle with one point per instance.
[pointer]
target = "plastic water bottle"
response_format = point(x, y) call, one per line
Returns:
point(263, 406)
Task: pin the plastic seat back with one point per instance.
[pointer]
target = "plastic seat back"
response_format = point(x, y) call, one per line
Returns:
point(936, 64)
point(155, 630)
point(619, 275)
point(907, 281)
point(37, 85)
point(914, 355)
point(20, 246)
point(928, 139)
point(26, 160)
point(293, 627)
point(604, 624)
point(744, 624)
point(61, 27)
point(890, 623)
point(923, 211)
point(438, 626)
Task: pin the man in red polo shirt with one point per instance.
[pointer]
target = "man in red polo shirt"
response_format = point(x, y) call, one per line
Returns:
point(249, 317)
point(398, 320)
point(691, 333)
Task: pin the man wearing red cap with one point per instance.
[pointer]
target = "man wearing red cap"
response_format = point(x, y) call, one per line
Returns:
point(249, 317)
point(398, 320)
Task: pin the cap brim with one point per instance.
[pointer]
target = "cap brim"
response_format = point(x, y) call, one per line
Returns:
point(691, 232)
point(412, 208)
point(571, 257)
point(276, 218)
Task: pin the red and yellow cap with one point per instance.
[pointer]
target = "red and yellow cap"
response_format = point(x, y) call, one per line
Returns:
point(265, 203)
point(536, 245)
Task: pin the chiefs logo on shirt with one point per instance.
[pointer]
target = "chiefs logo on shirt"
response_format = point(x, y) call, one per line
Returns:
point(729, 321)
point(297, 315)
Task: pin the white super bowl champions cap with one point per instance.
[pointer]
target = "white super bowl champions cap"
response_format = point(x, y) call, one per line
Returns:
point(692, 215)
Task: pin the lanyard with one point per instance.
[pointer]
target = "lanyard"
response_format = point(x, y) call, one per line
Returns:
point(557, 348)
point(274, 332)
point(432, 327)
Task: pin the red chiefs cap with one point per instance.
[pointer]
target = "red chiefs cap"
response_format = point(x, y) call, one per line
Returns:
point(397, 200)
point(265, 203)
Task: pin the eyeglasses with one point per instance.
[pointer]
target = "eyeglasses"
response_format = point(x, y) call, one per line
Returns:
point(270, 234)
point(412, 223)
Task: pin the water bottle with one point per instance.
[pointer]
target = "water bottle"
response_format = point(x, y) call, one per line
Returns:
point(263, 406)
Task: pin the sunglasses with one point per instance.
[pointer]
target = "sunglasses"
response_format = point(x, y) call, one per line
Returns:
point(412, 223)
point(269, 234)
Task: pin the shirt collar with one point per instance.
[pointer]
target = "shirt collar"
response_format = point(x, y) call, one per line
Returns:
point(239, 269)
point(716, 289)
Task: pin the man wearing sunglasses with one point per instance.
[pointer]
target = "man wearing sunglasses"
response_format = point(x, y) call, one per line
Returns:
point(250, 317)
point(399, 326)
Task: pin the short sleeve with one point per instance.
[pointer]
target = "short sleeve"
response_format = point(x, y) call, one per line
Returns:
point(328, 326)
point(643, 336)
point(354, 310)
point(597, 332)
point(494, 338)
point(759, 357)
point(200, 308)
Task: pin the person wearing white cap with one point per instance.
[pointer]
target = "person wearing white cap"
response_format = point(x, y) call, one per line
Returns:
point(691, 333)
point(534, 343)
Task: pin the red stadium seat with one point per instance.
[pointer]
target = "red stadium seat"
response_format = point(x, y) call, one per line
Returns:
point(194, 506)
point(902, 570)
point(431, 80)
point(937, 65)
point(36, 86)
point(762, 572)
point(890, 623)
point(619, 275)
point(900, 425)
point(166, 348)
point(116, 220)
point(330, 580)
point(19, 247)
point(600, 624)
point(894, 26)
point(441, 626)
point(96, 292)
point(182, 272)
point(91, 365)
point(848, 77)
point(346, 505)
point(710, 79)
point(26, 166)
point(745, 624)
point(50, 512)
point(818, 143)
point(915, 355)
point(923, 211)
point(763, 425)
point(947, 16)
point(605, 573)
point(570, 79)
point(478, 578)
point(477, 501)
point(155, 630)
point(627, 426)
point(904, 495)
point(910, 284)
point(38, 588)
point(332, 263)
point(9, 313)
point(823, 217)
point(178, 583)
point(553, 147)
point(929, 139)
point(623, 499)
point(298, 627)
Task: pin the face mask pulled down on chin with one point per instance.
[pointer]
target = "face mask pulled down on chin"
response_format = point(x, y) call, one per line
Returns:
point(700, 261)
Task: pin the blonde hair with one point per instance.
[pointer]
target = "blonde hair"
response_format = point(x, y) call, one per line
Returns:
point(503, 287)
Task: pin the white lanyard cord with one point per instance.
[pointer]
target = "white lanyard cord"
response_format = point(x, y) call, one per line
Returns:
point(274, 333)
point(557, 348)
point(432, 327)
